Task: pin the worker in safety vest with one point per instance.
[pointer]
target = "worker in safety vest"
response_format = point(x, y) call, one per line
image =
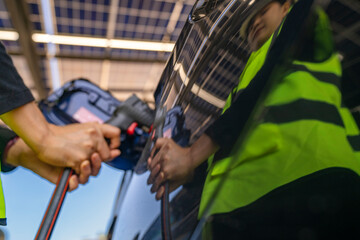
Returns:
point(42, 147)
point(296, 174)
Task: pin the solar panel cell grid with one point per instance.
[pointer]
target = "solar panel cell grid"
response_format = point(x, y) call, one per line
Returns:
point(82, 18)
point(11, 46)
point(4, 17)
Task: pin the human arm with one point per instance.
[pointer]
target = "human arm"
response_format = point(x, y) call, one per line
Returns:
point(59, 146)
point(20, 154)
point(176, 164)
point(66, 146)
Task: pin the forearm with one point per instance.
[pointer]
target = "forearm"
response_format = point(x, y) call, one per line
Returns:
point(28, 122)
point(201, 150)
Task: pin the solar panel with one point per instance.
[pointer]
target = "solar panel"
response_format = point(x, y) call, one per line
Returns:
point(82, 18)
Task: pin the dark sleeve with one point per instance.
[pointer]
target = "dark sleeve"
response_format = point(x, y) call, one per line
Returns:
point(227, 128)
point(5, 136)
point(13, 92)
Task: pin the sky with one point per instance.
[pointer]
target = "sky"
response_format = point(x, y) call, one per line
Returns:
point(85, 213)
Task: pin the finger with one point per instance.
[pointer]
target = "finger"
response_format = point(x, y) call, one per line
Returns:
point(158, 144)
point(157, 158)
point(160, 193)
point(157, 183)
point(154, 172)
point(85, 172)
point(103, 149)
point(73, 183)
point(114, 153)
point(76, 169)
point(49, 172)
point(148, 163)
point(95, 164)
point(112, 133)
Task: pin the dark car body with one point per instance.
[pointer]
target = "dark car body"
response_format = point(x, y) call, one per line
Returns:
point(205, 65)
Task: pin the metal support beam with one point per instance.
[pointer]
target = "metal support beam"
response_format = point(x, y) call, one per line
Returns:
point(352, 4)
point(343, 33)
point(349, 31)
point(19, 13)
point(49, 19)
point(105, 70)
point(91, 57)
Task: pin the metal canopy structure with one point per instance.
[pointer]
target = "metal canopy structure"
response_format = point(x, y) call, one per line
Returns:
point(120, 45)
point(345, 21)
point(85, 38)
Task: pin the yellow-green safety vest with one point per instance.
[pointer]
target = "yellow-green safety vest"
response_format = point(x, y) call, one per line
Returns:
point(2, 204)
point(304, 130)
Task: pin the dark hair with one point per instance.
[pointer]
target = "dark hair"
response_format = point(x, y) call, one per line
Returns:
point(280, 1)
point(283, 1)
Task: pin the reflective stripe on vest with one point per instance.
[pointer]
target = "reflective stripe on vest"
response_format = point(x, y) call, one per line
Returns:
point(355, 142)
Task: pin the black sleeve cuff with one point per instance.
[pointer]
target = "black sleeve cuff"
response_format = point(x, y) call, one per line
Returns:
point(5, 136)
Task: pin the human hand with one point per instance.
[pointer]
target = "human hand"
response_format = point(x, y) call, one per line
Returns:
point(21, 155)
point(172, 163)
point(71, 145)
point(67, 146)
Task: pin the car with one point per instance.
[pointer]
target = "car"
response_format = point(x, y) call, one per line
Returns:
point(207, 60)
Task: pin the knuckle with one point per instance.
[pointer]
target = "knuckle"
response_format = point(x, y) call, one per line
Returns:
point(92, 131)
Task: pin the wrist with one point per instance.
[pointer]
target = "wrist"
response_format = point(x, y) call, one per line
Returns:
point(191, 159)
point(43, 140)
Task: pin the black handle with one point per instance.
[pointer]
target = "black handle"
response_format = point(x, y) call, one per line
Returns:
point(165, 211)
point(165, 214)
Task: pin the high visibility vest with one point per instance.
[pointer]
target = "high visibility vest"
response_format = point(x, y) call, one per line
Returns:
point(2, 205)
point(304, 129)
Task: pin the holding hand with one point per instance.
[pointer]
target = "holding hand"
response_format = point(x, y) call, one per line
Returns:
point(21, 155)
point(172, 163)
point(176, 164)
point(67, 146)
point(71, 145)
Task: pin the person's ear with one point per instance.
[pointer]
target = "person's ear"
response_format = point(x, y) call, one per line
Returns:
point(285, 8)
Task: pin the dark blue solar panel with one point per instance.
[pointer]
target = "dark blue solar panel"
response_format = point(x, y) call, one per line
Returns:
point(35, 16)
point(137, 19)
point(37, 26)
point(82, 51)
point(11, 46)
point(40, 47)
point(34, 8)
point(44, 71)
point(146, 20)
point(4, 17)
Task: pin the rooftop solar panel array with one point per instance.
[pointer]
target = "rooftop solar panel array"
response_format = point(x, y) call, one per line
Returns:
point(82, 17)
point(149, 20)
point(5, 21)
point(140, 20)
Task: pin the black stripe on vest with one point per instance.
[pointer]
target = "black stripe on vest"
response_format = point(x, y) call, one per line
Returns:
point(303, 109)
point(321, 76)
point(354, 142)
